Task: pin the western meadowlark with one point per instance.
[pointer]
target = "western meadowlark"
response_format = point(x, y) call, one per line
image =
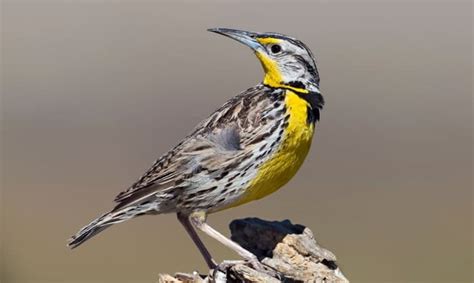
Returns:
point(247, 149)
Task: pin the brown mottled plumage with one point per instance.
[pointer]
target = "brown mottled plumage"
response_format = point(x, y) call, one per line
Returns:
point(223, 143)
point(246, 149)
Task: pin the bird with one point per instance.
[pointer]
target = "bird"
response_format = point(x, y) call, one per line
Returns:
point(247, 149)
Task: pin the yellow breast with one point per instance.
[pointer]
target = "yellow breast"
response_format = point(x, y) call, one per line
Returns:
point(286, 161)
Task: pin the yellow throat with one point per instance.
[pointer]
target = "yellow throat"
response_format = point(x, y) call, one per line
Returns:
point(289, 157)
point(273, 76)
point(296, 141)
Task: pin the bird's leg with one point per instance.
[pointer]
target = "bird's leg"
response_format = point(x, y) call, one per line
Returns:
point(199, 220)
point(184, 219)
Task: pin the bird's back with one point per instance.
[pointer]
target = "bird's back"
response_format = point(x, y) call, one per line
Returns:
point(246, 149)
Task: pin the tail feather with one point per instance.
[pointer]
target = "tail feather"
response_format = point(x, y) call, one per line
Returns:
point(106, 220)
point(90, 230)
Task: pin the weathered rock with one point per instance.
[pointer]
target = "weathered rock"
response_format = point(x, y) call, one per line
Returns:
point(291, 250)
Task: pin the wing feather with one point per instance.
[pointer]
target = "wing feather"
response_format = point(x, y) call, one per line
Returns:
point(216, 142)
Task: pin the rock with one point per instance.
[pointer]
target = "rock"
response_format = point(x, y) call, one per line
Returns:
point(290, 249)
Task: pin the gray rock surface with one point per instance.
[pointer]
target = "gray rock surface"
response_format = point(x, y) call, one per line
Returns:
point(289, 250)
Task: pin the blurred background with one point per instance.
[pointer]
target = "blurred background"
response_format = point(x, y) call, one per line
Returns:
point(94, 91)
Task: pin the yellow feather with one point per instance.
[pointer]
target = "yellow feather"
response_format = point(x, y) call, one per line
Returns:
point(272, 72)
point(284, 164)
point(273, 75)
point(268, 40)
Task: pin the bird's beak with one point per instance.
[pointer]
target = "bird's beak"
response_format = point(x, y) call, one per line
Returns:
point(246, 37)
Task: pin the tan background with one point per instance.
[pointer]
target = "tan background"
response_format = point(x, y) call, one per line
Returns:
point(93, 92)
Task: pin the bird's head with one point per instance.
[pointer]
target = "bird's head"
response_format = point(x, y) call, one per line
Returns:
point(287, 62)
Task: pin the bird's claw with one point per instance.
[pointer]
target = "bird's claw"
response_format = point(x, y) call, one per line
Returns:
point(223, 267)
point(253, 263)
point(226, 264)
point(261, 267)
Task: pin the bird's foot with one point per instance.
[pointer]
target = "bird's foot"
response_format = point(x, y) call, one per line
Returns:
point(253, 263)
point(261, 267)
point(222, 268)
point(226, 264)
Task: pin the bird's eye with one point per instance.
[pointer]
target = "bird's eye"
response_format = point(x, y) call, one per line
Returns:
point(275, 48)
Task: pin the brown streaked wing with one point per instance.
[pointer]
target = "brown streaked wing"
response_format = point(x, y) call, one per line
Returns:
point(216, 141)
